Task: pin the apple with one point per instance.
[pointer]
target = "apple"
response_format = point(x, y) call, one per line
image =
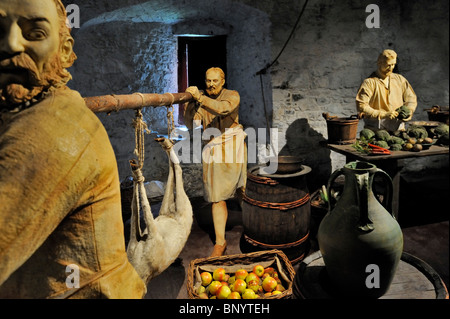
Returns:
point(201, 290)
point(241, 274)
point(259, 270)
point(239, 286)
point(280, 287)
point(224, 283)
point(268, 294)
point(251, 276)
point(231, 280)
point(265, 276)
point(276, 292)
point(269, 270)
point(223, 292)
point(227, 277)
point(219, 274)
point(214, 286)
point(269, 284)
point(206, 278)
point(276, 277)
point(234, 295)
point(203, 295)
point(254, 285)
point(248, 294)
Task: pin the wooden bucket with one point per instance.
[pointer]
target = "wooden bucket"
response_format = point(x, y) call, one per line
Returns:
point(276, 213)
point(438, 114)
point(342, 130)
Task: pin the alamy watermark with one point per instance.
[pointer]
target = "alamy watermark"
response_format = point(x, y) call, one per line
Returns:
point(373, 19)
point(373, 279)
point(223, 146)
point(73, 16)
point(73, 279)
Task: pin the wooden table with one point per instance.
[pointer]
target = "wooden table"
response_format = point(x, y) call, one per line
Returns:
point(414, 279)
point(392, 164)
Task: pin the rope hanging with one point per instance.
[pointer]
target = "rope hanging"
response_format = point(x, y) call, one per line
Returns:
point(170, 121)
point(140, 200)
point(140, 128)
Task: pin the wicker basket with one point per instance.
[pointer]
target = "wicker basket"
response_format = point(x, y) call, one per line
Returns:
point(268, 258)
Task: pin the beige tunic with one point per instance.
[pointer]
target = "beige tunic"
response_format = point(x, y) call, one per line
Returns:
point(376, 97)
point(225, 156)
point(60, 205)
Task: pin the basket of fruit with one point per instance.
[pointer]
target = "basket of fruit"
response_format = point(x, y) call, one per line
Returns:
point(264, 274)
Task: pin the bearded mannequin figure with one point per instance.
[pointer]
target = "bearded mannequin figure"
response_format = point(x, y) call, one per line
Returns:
point(19, 66)
point(59, 184)
point(225, 156)
point(15, 93)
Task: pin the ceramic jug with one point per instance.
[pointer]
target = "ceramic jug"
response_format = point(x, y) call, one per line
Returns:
point(359, 239)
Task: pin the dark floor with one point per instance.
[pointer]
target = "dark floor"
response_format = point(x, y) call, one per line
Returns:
point(423, 216)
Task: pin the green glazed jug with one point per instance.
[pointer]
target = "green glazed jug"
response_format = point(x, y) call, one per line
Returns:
point(360, 241)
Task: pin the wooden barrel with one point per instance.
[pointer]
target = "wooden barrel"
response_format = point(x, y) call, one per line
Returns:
point(414, 279)
point(276, 213)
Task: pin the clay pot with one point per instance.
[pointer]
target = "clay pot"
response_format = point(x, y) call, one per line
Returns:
point(360, 240)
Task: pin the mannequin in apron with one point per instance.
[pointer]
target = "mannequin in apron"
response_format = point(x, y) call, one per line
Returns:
point(224, 158)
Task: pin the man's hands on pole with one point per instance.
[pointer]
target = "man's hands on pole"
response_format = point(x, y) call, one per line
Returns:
point(196, 94)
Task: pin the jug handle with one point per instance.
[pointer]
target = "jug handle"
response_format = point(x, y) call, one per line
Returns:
point(331, 180)
point(389, 192)
point(362, 194)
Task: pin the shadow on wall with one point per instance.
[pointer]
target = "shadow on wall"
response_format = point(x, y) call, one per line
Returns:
point(303, 141)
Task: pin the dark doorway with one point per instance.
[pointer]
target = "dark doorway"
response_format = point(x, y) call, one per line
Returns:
point(196, 54)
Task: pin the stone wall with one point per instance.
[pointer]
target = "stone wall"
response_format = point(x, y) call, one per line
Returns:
point(110, 62)
point(130, 46)
point(332, 51)
point(127, 47)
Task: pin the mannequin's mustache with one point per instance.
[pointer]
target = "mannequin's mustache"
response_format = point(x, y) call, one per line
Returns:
point(21, 63)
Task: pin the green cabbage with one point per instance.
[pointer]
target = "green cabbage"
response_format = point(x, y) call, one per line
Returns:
point(366, 134)
point(403, 112)
point(396, 140)
point(382, 135)
point(396, 147)
point(441, 129)
point(417, 131)
point(382, 144)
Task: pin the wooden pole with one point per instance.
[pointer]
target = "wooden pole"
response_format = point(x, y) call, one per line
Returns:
point(110, 103)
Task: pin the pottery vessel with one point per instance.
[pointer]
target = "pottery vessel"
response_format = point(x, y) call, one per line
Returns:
point(359, 238)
